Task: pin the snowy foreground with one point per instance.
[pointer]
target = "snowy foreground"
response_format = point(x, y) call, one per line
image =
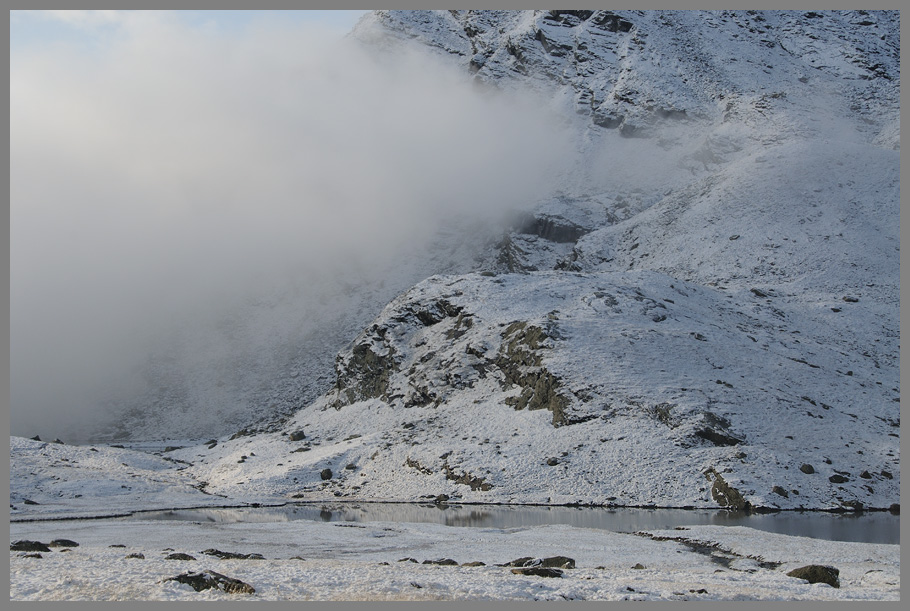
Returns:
point(51, 484)
point(310, 560)
point(306, 560)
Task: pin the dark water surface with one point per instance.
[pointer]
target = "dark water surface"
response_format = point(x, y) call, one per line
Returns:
point(868, 527)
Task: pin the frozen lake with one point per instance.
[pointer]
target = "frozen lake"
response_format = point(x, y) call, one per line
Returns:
point(867, 527)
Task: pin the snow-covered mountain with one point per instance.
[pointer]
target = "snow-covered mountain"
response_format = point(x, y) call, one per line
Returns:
point(702, 310)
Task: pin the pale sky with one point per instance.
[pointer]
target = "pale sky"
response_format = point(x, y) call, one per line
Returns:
point(31, 28)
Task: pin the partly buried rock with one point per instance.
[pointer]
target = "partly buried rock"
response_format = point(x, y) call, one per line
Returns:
point(178, 556)
point(539, 571)
point(232, 555)
point(560, 562)
point(325, 474)
point(817, 573)
point(25, 545)
point(63, 543)
point(442, 562)
point(210, 579)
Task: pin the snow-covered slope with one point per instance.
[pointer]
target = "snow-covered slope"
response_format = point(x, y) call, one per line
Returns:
point(703, 337)
point(703, 311)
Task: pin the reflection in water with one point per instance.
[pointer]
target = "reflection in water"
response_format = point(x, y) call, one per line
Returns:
point(869, 527)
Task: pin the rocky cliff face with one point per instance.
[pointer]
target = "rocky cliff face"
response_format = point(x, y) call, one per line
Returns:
point(703, 312)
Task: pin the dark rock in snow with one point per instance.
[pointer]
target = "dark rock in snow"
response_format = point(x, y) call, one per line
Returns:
point(231, 555)
point(560, 562)
point(206, 580)
point(725, 494)
point(325, 474)
point(538, 571)
point(25, 545)
point(296, 435)
point(179, 556)
point(817, 573)
point(63, 543)
point(807, 469)
point(442, 562)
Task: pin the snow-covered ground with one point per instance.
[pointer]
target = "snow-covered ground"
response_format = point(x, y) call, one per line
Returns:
point(50, 484)
point(307, 560)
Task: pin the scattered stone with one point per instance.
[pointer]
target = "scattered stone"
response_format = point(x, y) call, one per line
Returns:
point(865, 475)
point(838, 479)
point(179, 556)
point(759, 292)
point(171, 448)
point(560, 562)
point(25, 545)
point(887, 475)
point(296, 435)
point(817, 573)
point(36, 438)
point(231, 555)
point(211, 580)
point(325, 474)
point(780, 491)
point(699, 591)
point(136, 555)
point(117, 545)
point(539, 571)
point(474, 563)
point(414, 560)
point(58, 440)
point(850, 299)
point(416, 585)
point(297, 558)
point(63, 543)
point(552, 461)
point(895, 509)
point(31, 502)
point(441, 499)
point(638, 566)
point(442, 562)
point(807, 469)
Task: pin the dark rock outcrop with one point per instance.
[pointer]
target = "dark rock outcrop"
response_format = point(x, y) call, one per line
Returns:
point(232, 555)
point(25, 545)
point(817, 573)
point(206, 580)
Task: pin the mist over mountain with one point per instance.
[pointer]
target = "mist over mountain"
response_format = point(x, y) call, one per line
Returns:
point(610, 257)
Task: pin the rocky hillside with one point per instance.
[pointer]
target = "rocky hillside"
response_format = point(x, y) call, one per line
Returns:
point(703, 312)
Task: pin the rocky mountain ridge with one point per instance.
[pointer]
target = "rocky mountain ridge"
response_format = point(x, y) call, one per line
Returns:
point(702, 312)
